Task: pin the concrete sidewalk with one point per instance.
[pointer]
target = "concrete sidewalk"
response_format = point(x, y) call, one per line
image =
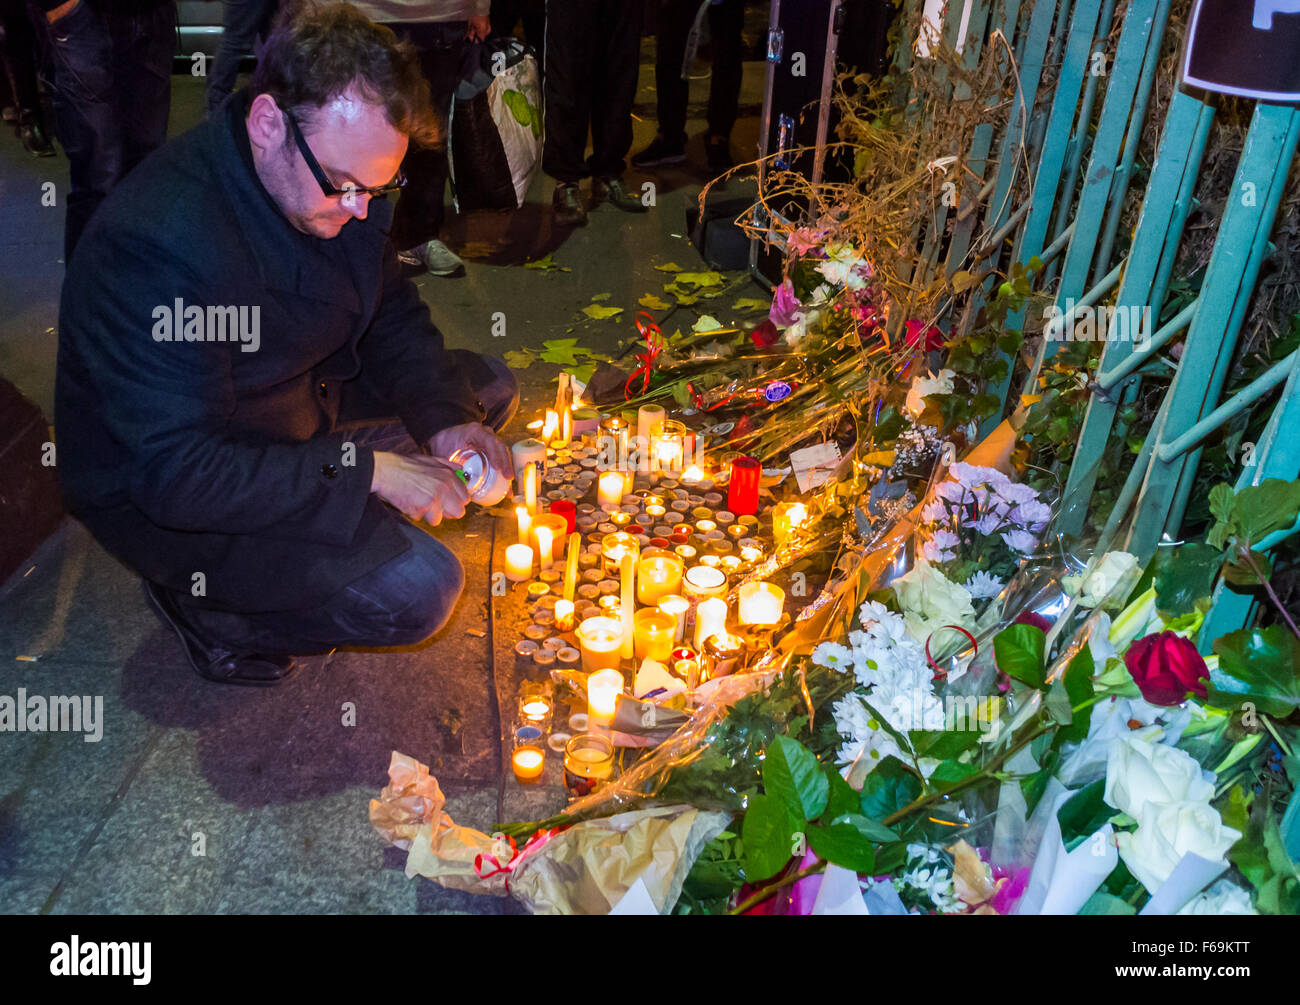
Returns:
point(205, 798)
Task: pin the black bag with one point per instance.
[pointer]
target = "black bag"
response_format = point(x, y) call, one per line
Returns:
point(721, 243)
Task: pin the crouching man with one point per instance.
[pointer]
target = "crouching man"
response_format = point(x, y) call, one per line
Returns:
point(249, 395)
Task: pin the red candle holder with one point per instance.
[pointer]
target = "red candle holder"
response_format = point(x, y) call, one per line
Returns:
point(567, 509)
point(742, 492)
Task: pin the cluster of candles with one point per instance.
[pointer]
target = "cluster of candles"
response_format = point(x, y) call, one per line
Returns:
point(650, 583)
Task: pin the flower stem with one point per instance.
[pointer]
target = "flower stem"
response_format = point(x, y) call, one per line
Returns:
point(764, 892)
point(1249, 558)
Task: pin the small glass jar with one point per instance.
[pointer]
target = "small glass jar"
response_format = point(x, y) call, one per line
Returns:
point(588, 761)
point(485, 485)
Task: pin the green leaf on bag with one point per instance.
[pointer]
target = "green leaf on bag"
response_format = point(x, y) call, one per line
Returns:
point(1183, 575)
point(651, 302)
point(1083, 814)
point(1018, 651)
point(844, 844)
point(1258, 665)
point(518, 106)
point(888, 788)
point(598, 313)
point(791, 774)
point(768, 836)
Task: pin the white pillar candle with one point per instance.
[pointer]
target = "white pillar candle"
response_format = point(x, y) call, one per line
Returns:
point(526, 452)
point(647, 418)
point(710, 619)
point(525, 522)
point(519, 562)
point(603, 689)
point(530, 488)
point(761, 603)
point(676, 607)
point(609, 490)
point(544, 541)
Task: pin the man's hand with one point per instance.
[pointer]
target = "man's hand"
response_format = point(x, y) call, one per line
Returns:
point(424, 488)
point(477, 436)
point(479, 28)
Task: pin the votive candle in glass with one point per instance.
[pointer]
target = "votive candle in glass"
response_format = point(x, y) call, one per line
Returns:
point(787, 517)
point(710, 620)
point(742, 490)
point(588, 761)
point(527, 762)
point(654, 634)
point(564, 616)
point(545, 538)
point(701, 582)
point(761, 603)
point(609, 490)
point(519, 562)
point(613, 547)
point(676, 607)
point(657, 576)
point(600, 640)
point(603, 689)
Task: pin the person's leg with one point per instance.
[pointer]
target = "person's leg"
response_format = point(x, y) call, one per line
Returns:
point(671, 92)
point(571, 41)
point(242, 20)
point(20, 70)
point(494, 382)
point(78, 60)
point(726, 21)
point(142, 65)
point(618, 61)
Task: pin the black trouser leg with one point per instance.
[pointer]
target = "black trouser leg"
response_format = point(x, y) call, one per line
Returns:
point(671, 91)
point(571, 43)
point(142, 68)
point(20, 58)
point(726, 21)
point(618, 61)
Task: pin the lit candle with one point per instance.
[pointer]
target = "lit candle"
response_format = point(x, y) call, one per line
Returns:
point(689, 671)
point(530, 488)
point(786, 518)
point(566, 426)
point(600, 640)
point(761, 603)
point(702, 581)
point(658, 576)
point(571, 567)
point(613, 441)
point(550, 426)
point(647, 418)
point(654, 635)
point(545, 538)
point(627, 578)
point(742, 491)
point(609, 490)
point(704, 526)
point(710, 619)
point(519, 562)
point(603, 689)
point(676, 607)
point(527, 762)
point(564, 617)
point(525, 452)
point(654, 511)
point(535, 710)
point(525, 521)
point(692, 475)
point(613, 547)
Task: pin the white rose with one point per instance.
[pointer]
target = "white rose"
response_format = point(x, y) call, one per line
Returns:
point(924, 385)
point(1100, 578)
point(1168, 831)
point(1139, 773)
point(1222, 898)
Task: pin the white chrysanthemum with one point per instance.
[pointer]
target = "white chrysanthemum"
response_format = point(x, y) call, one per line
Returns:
point(983, 586)
point(865, 738)
point(972, 475)
point(834, 655)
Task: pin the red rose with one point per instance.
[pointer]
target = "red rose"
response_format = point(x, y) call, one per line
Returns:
point(765, 335)
point(1165, 667)
point(1035, 619)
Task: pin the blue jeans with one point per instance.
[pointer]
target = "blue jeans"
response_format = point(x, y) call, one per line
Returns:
point(243, 22)
point(110, 74)
point(401, 602)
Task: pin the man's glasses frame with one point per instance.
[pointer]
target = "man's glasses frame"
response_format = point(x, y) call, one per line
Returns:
point(377, 192)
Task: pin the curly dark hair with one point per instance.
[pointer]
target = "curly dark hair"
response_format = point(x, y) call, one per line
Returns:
point(317, 51)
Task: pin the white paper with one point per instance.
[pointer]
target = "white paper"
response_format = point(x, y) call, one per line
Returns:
point(635, 901)
point(1062, 881)
point(815, 465)
point(839, 893)
point(1190, 876)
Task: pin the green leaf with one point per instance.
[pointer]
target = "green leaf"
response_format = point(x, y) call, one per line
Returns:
point(1078, 687)
point(745, 304)
point(1105, 903)
point(564, 351)
point(519, 360)
point(844, 844)
point(791, 774)
point(950, 773)
point(768, 834)
point(841, 798)
point(546, 263)
point(518, 106)
point(888, 788)
point(599, 297)
point(1259, 665)
point(1083, 814)
point(945, 743)
point(1240, 572)
point(1258, 510)
point(1018, 651)
point(700, 278)
point(1033, 786)
point(598, 313)
point(1184, 575)
point(669, 267)
point(653, 303)
point(706, 324)
point(962, 281)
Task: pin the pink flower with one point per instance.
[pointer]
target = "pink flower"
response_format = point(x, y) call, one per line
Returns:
point(785, 309)
point(805, 239)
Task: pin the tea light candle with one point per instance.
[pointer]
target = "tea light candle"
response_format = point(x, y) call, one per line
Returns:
point(519, 562)
point(751, 553)
point(710, 619)
point(564, 615)
point(654, 632)
point(527, 763)
point(704, 526)
point(730, 564)
point(689, 671)
point(614, 546)
point(620, 519)
point(761, 603)
point(628, 578)
point(609, 490)
point(742, 490)
point(786, 518)
point(600, 640)
point(658, 576)
point(603, 689)
point(676, 607)
point(701, 581)
point(653, 510)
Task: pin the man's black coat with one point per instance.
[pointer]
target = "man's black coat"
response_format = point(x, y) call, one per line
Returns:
point(199, 457)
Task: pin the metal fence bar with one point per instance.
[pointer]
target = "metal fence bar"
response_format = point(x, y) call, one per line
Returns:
point(1167, 331)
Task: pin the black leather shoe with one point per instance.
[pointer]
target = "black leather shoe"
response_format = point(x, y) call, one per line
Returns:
point(34, 140)
point(612, 190)
point(567, 206)
point(211, 660)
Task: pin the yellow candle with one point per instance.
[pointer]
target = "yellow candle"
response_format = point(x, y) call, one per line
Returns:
point(530, 488)
point(525, 521)
point(603, 689)
point(564, 615)
point(528, 763)
point(550, 426)
point(761, 603)
point(786, 518)
point(676, 607)
point(566, 426)
point(519, 562)
point(600, 639)
point(648, 417)
point(704, 581)
point(571, 569)
point(710, 619)
point(544, 541)
point(628, 577)
point(654, 635)
point(658, 576)
point(609, 490)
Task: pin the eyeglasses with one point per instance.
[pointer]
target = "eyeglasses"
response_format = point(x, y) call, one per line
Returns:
point(378, 191)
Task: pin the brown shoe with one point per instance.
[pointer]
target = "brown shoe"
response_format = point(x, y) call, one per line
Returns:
point(567, 206)
point(612, 190)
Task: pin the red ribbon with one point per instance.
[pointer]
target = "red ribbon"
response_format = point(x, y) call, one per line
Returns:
point(938, 670)
point(517, 855)
point(654, 343)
